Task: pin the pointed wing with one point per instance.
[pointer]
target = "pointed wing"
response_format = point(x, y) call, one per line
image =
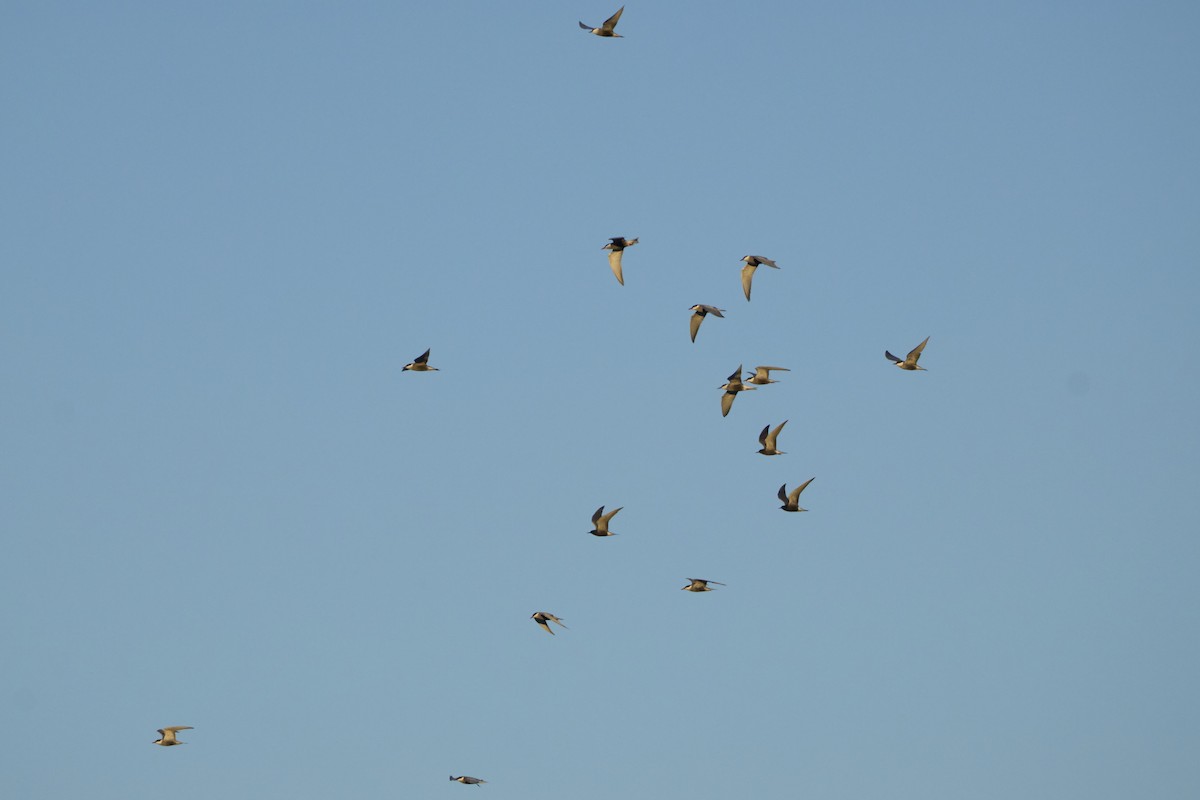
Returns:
point(614, 261)
point(175, 728)
point(763, 371)
point(697, 318)
point(727, 403)
point(423, 358)
point(543, 625)
point(767, 261)
point(762, 437)
point(605, 519)
point(783, 493)
point(794, 497)
point(891, 357)
point(737, 375)
point(596, 516)
point(774, 437)
point(611, 22)
point(716, 312)
point(586, 27)
point(747, 278)
point(915, 353)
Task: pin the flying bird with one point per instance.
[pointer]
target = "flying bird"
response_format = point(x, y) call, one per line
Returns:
point(601, 522)
point(700, 311)
point(467, 780)
point(168, 735)
point(753, 263)
point(544, 618)
point(762, 375)
point(791, 502)
point(616, 245)
point(606, 29)
point(732, 388)
point(699, 585)
point(910, 361)
point(768, 440)
point(420, 364)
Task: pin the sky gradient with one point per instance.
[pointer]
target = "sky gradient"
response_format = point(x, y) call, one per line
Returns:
point(227, 226)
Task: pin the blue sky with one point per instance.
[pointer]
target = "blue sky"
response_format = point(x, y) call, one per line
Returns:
point(228, 225)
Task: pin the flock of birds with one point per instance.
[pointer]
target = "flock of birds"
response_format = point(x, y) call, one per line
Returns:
point(734, 384)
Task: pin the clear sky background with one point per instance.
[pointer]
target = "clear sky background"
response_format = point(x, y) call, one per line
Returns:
point(227, 225)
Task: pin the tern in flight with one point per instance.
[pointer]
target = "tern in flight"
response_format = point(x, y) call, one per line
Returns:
point(732, 388)
point(753, 263)
point(420, 364)
point(762, 375)
point(616, 245)
point(699, 585)
point(600, 520)
point(768, 439)
point(699, 312)
point(909, 362)
point(168, 735)
point(791, 502)
point(544, 618)
point(606, 30)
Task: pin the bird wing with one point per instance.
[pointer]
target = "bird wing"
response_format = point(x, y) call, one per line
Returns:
point(794, 497)
point(763, 371)
point(423, 358)
point(610, 515)
point(767, 261)
point(915, 353)
point(747, 278)
point(716, 312)
point(596, 516)
point(891, 357)
point(697, 318)
point(762, 437)
point(727, 403)
point(736, 376)
point(773, 439)
point(611, 22)
point(175, 728)
point(783, 493)
point(586, 27)
point(544, 625)
point(614, 261)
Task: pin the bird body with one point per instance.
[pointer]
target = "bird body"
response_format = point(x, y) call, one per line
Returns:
point(420, 364)
point(699, 312)
point(732, 387)
point(791, 502)
point(167, 735)
point(768, 439)
point(762, 375)
point(606, 29)
point(600, 521)
point(615, 247)
point(467, 780)
point(699, 585)
point(753, 263)
point(909, 362)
